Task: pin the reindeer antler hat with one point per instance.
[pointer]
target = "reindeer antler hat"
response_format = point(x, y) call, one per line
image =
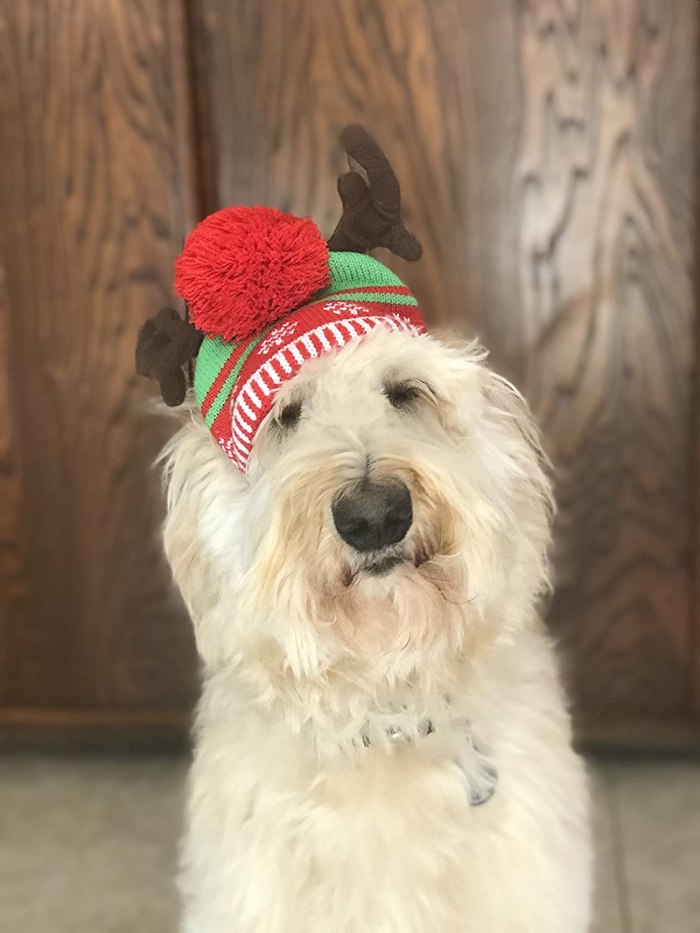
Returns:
point(265, 294)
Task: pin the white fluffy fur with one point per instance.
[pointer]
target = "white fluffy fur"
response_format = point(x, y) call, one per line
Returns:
point(293, 825)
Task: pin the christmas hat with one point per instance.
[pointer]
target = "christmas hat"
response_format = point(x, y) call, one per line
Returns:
point(266, 294)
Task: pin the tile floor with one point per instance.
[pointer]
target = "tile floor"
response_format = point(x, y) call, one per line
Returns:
point(87, 845)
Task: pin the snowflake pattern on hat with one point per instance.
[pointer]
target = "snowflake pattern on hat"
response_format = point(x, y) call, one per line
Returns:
point(277, 337)
point(344, 307)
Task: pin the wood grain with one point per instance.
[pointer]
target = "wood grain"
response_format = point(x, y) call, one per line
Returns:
point(606, 238)
point(548, 162)
point(95, 197)
point(271, 109)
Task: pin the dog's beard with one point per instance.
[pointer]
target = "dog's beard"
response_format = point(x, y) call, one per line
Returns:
point(403, 603)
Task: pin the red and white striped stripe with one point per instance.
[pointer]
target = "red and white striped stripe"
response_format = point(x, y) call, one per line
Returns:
point(252, 402)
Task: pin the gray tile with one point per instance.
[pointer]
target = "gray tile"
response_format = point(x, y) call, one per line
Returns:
point(609, 905)
point(659, 807)
point(89, 845)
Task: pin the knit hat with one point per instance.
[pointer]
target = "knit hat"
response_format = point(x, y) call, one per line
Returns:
point(265, 294)
point(235, 382)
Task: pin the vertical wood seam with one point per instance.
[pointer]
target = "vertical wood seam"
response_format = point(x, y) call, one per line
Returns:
point(694, 473)
point(200, 129)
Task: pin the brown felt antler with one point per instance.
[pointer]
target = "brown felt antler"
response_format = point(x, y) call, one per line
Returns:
point(371, 201)
point(166, 343)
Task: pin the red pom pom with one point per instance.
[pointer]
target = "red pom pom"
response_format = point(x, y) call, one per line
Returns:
point(244, 267)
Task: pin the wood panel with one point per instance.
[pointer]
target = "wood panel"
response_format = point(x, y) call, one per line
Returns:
point(11, 582)
point(95, 197)
point(695, 545)
point(130, 729)
point(605, 179)
point(546, 152)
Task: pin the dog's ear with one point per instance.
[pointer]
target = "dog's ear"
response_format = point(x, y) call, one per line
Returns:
point(482, 395)
point(506, 405)
point(517, 435)
point(371, 199)
point(204, 533)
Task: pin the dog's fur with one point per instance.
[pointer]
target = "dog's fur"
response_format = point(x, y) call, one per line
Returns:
point(306, 815)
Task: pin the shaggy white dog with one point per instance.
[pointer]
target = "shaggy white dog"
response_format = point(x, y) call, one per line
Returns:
point(382, 742)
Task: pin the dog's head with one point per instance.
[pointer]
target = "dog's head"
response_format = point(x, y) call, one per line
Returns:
point(395, 511)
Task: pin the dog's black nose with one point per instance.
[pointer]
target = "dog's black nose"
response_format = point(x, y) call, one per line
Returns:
point(371, 515)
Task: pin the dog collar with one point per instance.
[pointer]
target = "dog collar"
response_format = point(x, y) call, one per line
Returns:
point(480, 772)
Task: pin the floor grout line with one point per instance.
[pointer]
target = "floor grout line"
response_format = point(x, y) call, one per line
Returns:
point(618, 850)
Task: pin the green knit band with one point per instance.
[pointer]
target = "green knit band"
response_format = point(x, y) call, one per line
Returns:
point(211, 362)
point(355, 270)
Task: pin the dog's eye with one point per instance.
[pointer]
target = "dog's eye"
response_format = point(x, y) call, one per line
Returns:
point(289, 415)
point(402, 394)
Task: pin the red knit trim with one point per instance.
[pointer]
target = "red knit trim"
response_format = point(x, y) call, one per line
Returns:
point(307, 333)
point(263, 373)
point(221, 426)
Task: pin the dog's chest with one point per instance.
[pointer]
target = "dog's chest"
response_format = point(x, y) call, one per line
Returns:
point(374, 827)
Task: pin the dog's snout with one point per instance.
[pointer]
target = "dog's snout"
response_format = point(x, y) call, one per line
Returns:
point(373, 515)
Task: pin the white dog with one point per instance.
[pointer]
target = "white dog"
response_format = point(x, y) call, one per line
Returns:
point(382, 743)
point(340, 765)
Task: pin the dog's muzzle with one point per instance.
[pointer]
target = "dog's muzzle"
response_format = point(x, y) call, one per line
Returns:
point(373, 515)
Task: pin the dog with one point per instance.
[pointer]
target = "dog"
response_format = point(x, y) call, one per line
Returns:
point(382, 742)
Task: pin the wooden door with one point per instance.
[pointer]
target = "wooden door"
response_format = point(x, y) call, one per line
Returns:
point(548, 154)
point(96, 196)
